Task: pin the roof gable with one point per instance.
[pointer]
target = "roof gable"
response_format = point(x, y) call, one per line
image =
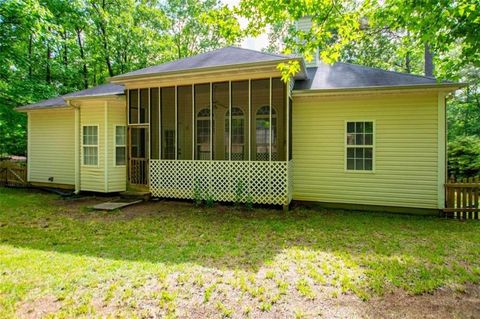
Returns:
point(228, 56)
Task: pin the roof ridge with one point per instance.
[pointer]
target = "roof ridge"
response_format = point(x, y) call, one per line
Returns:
point(262, 52)
point(391, 71)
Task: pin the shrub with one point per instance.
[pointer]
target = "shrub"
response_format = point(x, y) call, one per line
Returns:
point(464, 156)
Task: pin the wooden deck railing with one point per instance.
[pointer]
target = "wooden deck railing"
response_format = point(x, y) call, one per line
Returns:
point(463, 198)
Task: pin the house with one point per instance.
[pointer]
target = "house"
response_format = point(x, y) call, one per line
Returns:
point(222, 125)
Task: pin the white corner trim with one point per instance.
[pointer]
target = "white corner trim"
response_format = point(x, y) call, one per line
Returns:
point(442, 149)
point(77, 149)
point(105, 131)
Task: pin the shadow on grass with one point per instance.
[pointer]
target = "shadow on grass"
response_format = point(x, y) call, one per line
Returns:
point(226, 238)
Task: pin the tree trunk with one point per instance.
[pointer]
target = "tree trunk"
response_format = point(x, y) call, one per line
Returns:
point(30, 53)
point(428, 58)
point(65, 49)
point(408, 67)
point(82, 56)
point(48, 76)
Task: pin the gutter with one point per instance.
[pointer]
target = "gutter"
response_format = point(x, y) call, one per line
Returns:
point(352, 90)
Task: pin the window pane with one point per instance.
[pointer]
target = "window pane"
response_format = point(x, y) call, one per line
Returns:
point(358, 139)
point(261, 112)
point(133, 108)
point(368, 153)
point(155, 123)
point(144, 105)
point(359, 164)
point(120, 155)
point(368, 165)
point(350, 152)
point(368, 127)
point(350, 139)
point(359, 127)
point(368, 139)
point(359, 153)
point(351, 127)
point(90, 135)
point(120, 135)
point(167, 98)
point(220, 106)
point(202, 120)
point(90, 155)
point(240, 104)
point(184, 117)
point(350, 163)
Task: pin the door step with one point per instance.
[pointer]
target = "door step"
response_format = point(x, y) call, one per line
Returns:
point(117, 204)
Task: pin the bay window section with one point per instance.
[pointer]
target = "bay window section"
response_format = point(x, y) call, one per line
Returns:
point(167, 116)
point(203, 119)
point(220, 107)
point(184, 126)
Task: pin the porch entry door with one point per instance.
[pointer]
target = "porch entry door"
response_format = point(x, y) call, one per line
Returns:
point(139, 154)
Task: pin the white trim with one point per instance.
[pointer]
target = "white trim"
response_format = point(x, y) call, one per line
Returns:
point(442, 148)
point(128, 107)
point(29, 144)
point(115, 145)
point(176, 122)
point(211, 121)
point(193, 122)
point(97, 146)
point(269, 121)
point(159, 123)
point(373, 146)
point(249, 119)
point(77, 151)
point(106, 146)
point(230, 121)
point(287, 116)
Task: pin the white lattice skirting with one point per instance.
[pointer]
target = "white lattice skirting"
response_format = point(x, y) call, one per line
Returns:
point(225, 181)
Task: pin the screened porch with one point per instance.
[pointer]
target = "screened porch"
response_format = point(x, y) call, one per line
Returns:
point(225, 141)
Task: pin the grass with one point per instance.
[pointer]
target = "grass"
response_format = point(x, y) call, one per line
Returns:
point(173, 259)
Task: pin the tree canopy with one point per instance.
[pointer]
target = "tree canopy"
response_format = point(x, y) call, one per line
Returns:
point(50, 47)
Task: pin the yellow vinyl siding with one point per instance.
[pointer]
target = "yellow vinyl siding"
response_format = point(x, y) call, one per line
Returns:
point(406, 159)
point(51, 146)
point(92, 178)
point(117, 175)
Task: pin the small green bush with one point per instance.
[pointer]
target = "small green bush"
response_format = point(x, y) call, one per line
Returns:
point(464, 156)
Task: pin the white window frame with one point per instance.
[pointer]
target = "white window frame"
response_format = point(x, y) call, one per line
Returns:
point(115, 145)
point(91, 145)
point(346, 146)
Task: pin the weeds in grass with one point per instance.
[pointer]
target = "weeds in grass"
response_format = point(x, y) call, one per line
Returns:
point(304, 288)
point(226, 313)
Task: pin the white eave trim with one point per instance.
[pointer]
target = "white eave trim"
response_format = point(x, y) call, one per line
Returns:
point(446, 87)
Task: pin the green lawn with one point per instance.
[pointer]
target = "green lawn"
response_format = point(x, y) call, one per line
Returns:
point(173, 259)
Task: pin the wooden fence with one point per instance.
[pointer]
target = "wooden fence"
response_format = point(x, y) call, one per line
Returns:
point(463, 198)
point(11, 176)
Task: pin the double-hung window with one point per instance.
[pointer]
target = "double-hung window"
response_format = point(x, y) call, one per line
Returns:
point(359, 146)
point(120, 145)
point(90, 145)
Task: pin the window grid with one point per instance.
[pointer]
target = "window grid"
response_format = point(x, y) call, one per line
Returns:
point(359, 146)
point(120, 145)
point(90, 145)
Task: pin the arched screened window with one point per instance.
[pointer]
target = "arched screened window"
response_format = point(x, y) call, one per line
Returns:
point(262, 133)
point(203, 134)
point(238, 134)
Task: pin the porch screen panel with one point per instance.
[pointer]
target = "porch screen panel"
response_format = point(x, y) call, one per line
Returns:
point(220, 105)
point(260, 96)
point(133, 107)
point(290, 154)
point(155, 123)
point(144, 100)
point(184, 126)
point(167, 97)
point(279, 125)
point(239, 120)
point(202, 122)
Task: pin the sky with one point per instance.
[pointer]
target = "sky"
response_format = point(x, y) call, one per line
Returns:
point(257, 43)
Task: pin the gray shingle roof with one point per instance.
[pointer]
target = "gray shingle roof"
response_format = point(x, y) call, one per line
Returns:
point(221, 57)
point(345, 75)
point(101, 90)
